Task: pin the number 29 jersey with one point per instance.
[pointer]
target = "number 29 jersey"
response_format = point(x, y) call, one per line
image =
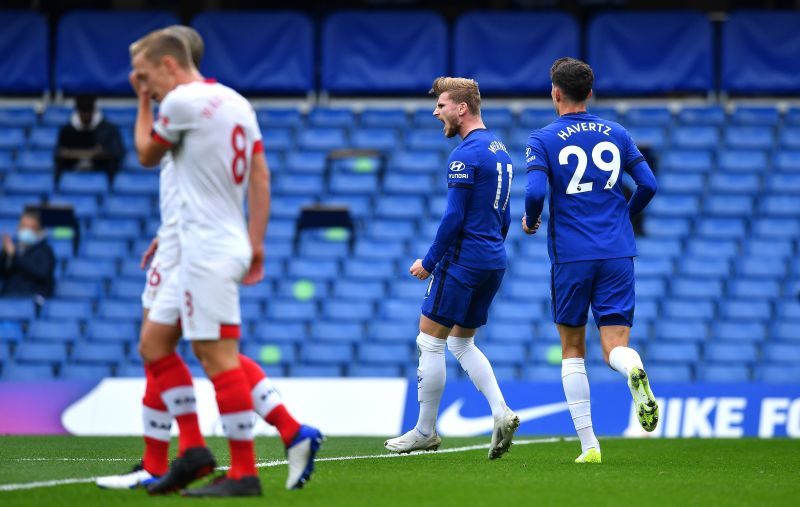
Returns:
point(213, 133)
point(583, 156)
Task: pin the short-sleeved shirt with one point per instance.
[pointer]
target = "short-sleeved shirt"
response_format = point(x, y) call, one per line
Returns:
point(481, 163)
point(213, 133)
point(584, 156)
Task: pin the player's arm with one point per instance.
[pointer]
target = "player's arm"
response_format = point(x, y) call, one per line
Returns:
point(458, 198)
point(536, 185)
point(258, 210)
point(506, 222)
point(149, 148)
point(646, 187)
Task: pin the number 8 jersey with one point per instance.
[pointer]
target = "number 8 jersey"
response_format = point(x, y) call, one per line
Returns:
point(583, 156)
point(213, 133)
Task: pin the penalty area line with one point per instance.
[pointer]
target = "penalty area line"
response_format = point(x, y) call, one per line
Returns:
point(275, 463)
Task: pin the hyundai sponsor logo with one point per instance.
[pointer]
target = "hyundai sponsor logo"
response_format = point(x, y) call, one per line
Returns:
point(457, 166)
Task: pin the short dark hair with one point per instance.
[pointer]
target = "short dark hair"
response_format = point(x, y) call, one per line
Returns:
point(573, 77)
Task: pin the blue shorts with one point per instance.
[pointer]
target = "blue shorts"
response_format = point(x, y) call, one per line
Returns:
point(461, 295)
point(607, 285)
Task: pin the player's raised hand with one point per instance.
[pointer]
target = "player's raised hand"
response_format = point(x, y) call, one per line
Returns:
point(148, 254)
point(418, 271)
point(531, 230)
point(138, 88)
point(256, 272)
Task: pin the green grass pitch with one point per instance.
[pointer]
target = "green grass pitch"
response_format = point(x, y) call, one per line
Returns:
point(634, 472)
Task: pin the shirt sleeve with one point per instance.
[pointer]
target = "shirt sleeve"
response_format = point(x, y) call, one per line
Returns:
point(458, 198)
point(535, 154)
point(255, 133)
point(461, 170)
point(632, 154)
point(175, 116)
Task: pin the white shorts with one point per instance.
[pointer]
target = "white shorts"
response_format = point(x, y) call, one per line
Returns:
point(203, 297)
point(162, 267)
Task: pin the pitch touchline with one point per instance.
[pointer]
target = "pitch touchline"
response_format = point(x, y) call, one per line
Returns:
point(267, 464)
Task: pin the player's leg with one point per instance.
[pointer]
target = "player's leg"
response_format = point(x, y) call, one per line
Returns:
point(613, 307)
point(434, 327)
point(301, 441)
point(461, 344)
point(571, 292)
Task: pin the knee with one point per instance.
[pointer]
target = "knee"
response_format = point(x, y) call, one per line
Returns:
point(573, 350)
point(458, 346)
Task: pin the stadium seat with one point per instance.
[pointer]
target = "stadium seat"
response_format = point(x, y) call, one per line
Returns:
point(67, 310)
point(291, 311)
point(790, 138)
point(111, 330)
point(305, 370)
point(394, 331)
point(734, 206)
point(787, 161)
point(679, 329)
point(649, 136)
point(687, 161)
point(31, 183)
point(695, 137)
point(279, 118)
point(740, 353)
point(384, 354)
point(383, 118)
point(749, 138)
point(705, 267)
point(747, 309)
point(23, 117)
point(48, 353)
point(327, 354)
point(504, 354)
point(780, 206)
point(776, 228)
point(350, 184)
point(666, 227)
point(347, 311)
point(136, 183)
point(315, 270)
point(723, 373)
point(384, 139)
point(674, 206)
point(741, 331)
point(10, 331)
point(17, 309)
point(778, 374)
point(280, 332)
point(27, 373)
point(35, 161)
point(321, 139)
point(413, 162)
point(782, 353)
point(123, 309)
point(721, 228)
point(373, 371)
point(87, 372)
point(754, 289)
point(670, 373)
point(701, 115)
point(351, 290)
point(369, 269)
point(98, 353)
point(758, 266)
point(508, 332)
point(690, 288)
point(538, 373)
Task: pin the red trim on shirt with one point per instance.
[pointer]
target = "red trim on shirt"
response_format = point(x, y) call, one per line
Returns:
point(210, 80)
point(258, 147)
point(160, 140)
point(230, 331)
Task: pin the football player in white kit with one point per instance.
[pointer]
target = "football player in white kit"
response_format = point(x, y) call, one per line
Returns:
point(163, 254)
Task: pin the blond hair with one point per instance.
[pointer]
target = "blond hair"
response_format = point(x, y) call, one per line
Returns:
point(461, 89)
point(161, 43)
point(192, 39)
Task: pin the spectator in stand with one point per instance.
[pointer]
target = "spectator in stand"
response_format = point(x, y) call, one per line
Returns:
point(89, 142)
point(27, 265)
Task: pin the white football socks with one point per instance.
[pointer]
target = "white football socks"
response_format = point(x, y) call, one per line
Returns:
point(479, 370)
point(265, 397)
point(623, 359)
point(576, 389)
point(431, 375)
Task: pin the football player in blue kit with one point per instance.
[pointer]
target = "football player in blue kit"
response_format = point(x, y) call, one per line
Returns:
point(590, 240)
point(465, 265)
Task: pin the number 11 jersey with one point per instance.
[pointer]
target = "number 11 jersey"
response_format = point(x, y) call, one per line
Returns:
point(213, 133)
point(584, 156)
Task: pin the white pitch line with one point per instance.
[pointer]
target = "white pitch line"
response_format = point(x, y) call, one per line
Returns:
point(270, 464)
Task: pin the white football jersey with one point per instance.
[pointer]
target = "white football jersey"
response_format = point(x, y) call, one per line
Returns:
point(168, 199)
point(213, 133)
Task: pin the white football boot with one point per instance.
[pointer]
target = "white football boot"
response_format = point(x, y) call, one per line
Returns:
point(503, 433)
point(136, 478)
point(413, 441)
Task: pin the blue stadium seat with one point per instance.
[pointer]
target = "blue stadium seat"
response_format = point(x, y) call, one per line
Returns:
point(17, 309)
point(429, 162)
point(701, 115)
point(136, 183)
point(385, 354)
point(758, 266)
point(780, 205)
point(384, 139)
point(733, 183)
point(35, 161)
point(734, 206)
point(85, 206)
point(305, 370)
point(666, 227)
point(394, 331)
point(497, 117)
point(508, 332)
point(787, 161)
point(653, 266)
point(538, 373)
point(747, 309)
point(49, 353)
point(10, 331)
point(695, 137)
point(56, 330)
point(77, 289)
point(653, 287)
point(786, 330)
point(370, 249)
point(373, 371)
point(127, 288)
point(778, 374)
point(776, 228)
point(691, 161)
point(12, 138)
point(105, 249)
point(504, 353)
point(394, 309)
point(6, 162)
point(648, 116)
point(400, 60)
point(789, 309)
point(407, 207)
point(67, 310)
point(705, 267)
point(317, 269)
point(91, 269)
point(405, 184)
point(353, 184)
point(98, 353)
point(782, 353)
point(279, 118)
point(674, 206)
point(658, 247)
point(321, 139)
point(27, 373)
point(649, 136)
point(27, 183)
point(535, 118)
point(723, 373)
point(749, 138)
point(384, 118)
point(95, 183)
point(689, 288)
point(335, 311)
point(670, 373)
point(17, 117)
point(351, 290)
point(790, 138)
point(754, 289)
point(291, 310)
point(280, 332)
point(673, 352)
point(742, 161)
point(322, 249)
point(369, 269)
point(111, 331)
point(760, 116)
point(122, 309)
point(738, 353)
point(327, 354)
point(86, 372)
point(43, 138)
point(712, 250)
point(680, 329)
point(721, 228)
point(283, 354)
point(126, 206)
point(741, 331)
point(776, 249)
point(341, 117)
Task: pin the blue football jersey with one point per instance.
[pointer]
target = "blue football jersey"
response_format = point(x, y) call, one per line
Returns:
point(481, 164)
point(584, 156)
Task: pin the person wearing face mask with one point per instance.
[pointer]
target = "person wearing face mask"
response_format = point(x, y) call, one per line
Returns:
point(27, 264)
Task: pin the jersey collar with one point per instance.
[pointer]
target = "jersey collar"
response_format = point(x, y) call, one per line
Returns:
point(471, 131)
